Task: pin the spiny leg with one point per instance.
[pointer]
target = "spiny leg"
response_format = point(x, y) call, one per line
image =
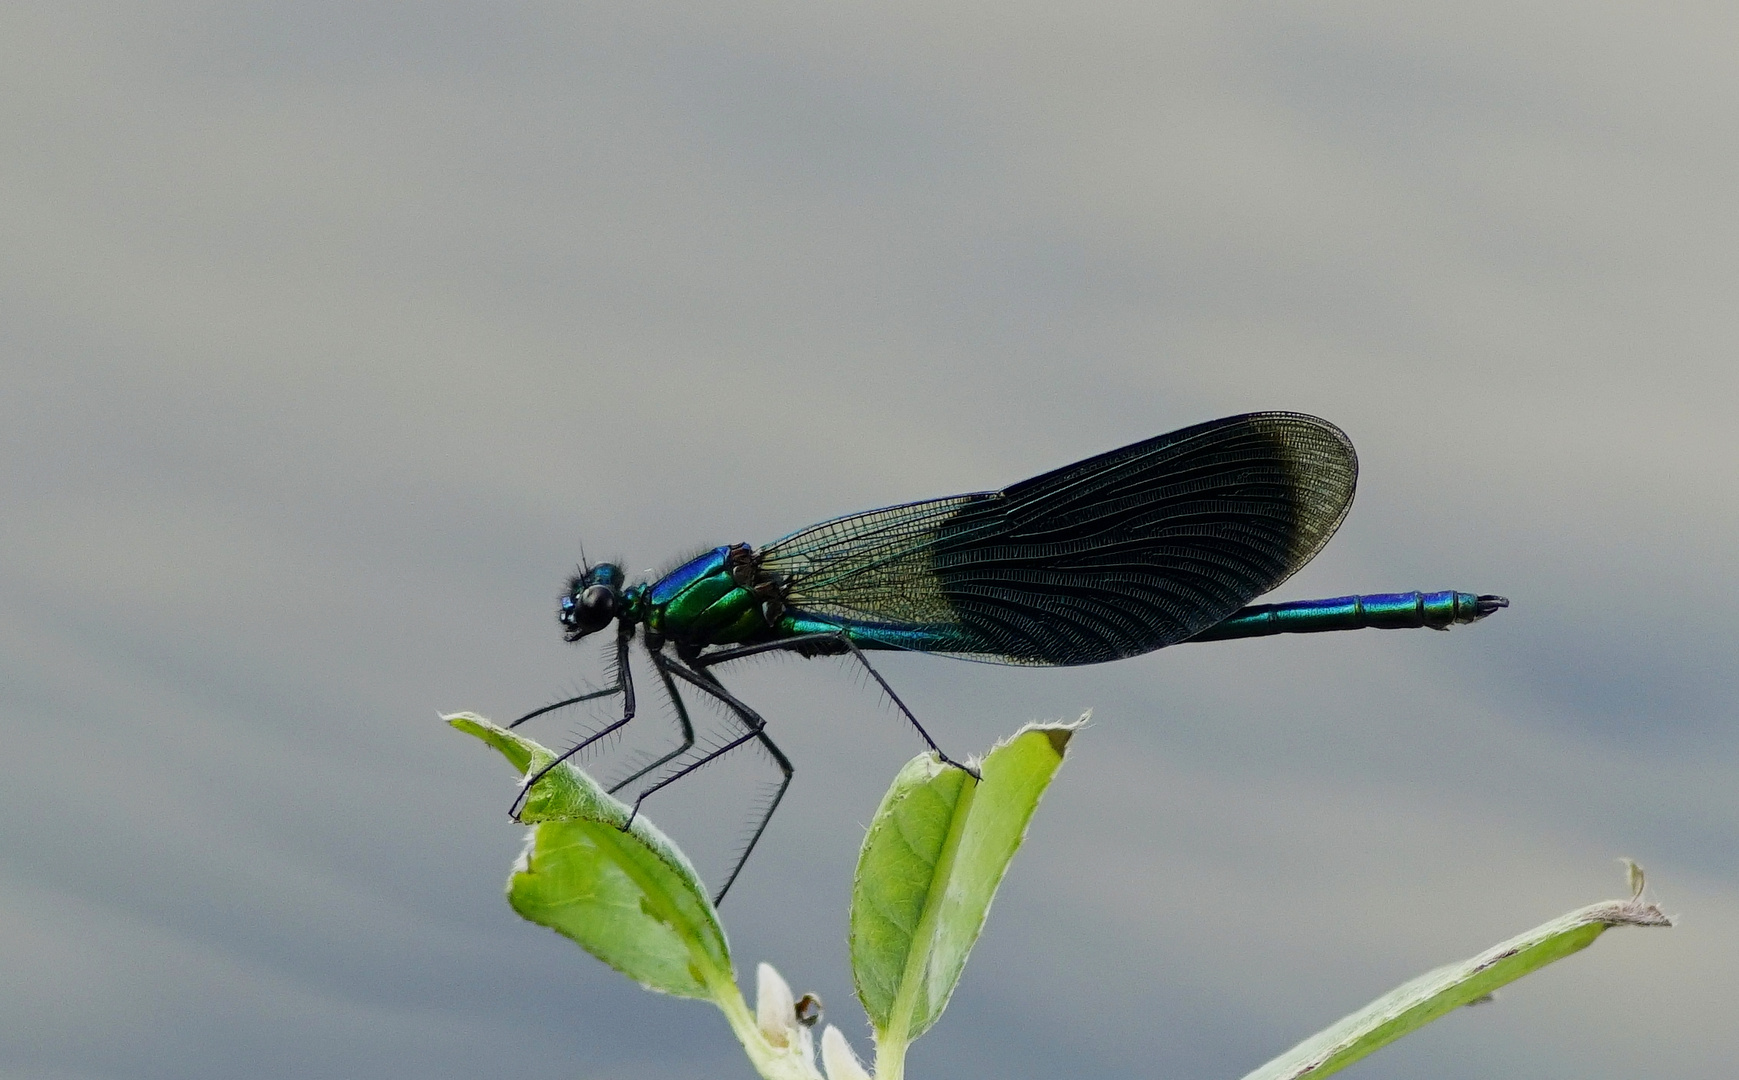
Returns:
point(624, 685)
point(843, 640)
point(565, 702)
point(682, 721)
point(756, 732)
point(623, 682)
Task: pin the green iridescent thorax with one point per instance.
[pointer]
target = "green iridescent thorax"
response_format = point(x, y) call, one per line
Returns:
point(707, 600)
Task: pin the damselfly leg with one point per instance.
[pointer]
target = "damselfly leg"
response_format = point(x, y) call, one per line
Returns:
point(755, 731)
point(682, 721)
point(624, 686)
point(836, 642)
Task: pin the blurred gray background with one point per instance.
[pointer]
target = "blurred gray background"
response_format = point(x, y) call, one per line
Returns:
point(332, 330)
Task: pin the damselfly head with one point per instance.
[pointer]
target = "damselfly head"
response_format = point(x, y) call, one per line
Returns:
point(592, 600)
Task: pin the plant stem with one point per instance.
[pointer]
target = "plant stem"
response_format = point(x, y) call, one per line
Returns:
point(773, 1063)
point(891, 1057)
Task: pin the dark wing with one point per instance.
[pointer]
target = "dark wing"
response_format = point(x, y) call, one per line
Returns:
point(1117, 555)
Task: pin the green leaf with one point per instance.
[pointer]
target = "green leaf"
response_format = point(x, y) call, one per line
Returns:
point(1417, 1003)
point(931, 862)
point(630, 898)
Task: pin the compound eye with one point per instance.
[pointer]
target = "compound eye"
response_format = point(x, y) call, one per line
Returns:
point(594, 608)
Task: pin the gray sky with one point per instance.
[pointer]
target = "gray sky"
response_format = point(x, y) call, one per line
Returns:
point(331, 330)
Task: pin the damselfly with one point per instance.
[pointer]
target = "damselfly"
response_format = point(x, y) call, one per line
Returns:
point(1160, 542)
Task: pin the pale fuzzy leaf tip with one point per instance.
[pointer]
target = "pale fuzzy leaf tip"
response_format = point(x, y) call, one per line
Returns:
point(837, 1058)
point(775, 1008)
